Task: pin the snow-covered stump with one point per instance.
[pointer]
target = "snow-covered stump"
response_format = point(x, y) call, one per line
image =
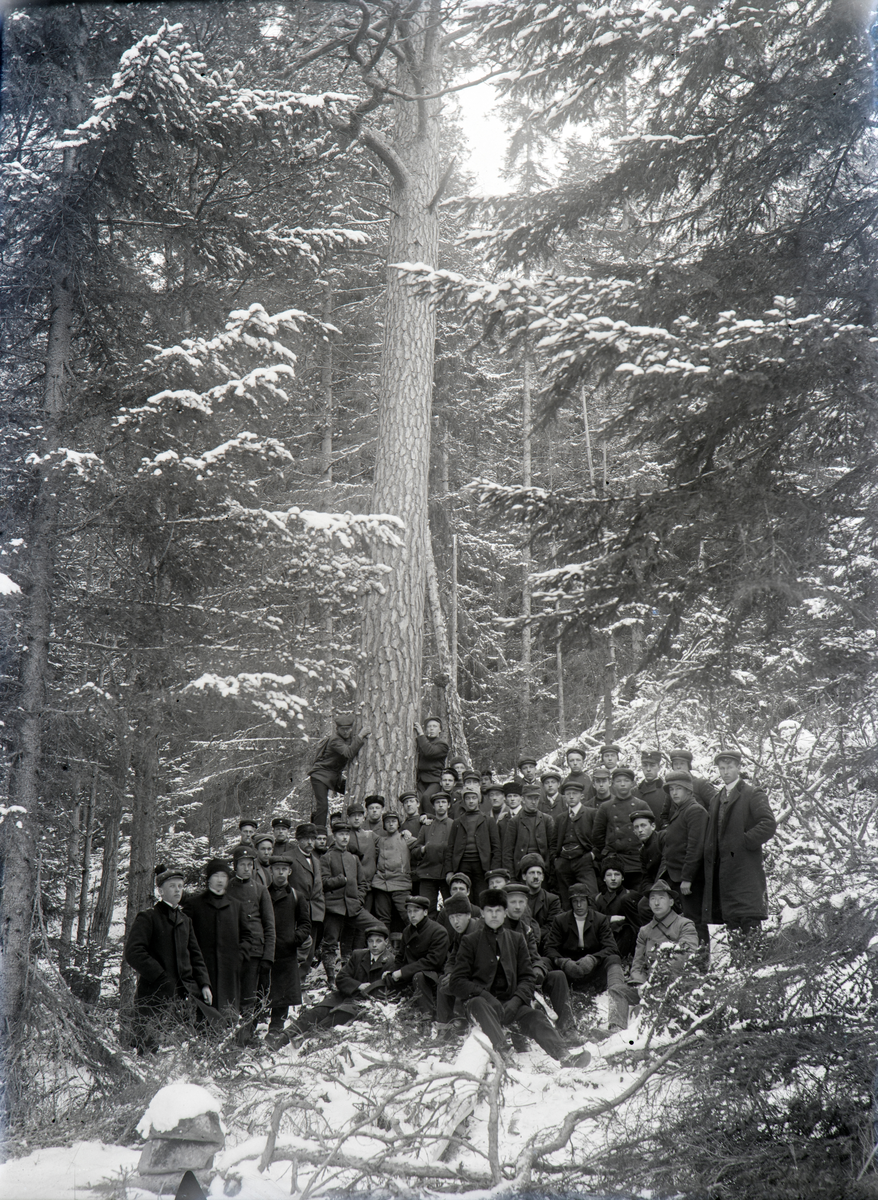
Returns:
point(183, 1130)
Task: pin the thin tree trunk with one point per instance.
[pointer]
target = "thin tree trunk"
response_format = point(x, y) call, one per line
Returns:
point(102, 914)
point(85, 880)
point(326, 387)
point(141, 869)
point(609, 685)
point(453, 711)
point(393, 618)
point(587, 439)
point(559, 668)
point(454, 601)
point(526, 632)
point(68, 911)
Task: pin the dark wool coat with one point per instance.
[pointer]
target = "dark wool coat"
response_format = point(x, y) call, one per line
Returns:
point(487, 844)
point(429, 854)
point(613, 832)
point(654, 796)
point(585, 779)
point(702, 790)
point(307, 880)
point(293, 928)
point(650, 861)
point(423, 948)
point(332, 758)
point(683, 842)
point(225, 937)
point(344, 885)
point(163, 950)
point(562, 940)
point(621, 903)
point(442, 919)
point(475, 967)
point(432, 753)
point(734, 877)
point(527, 834)
point(578, 829)
point(544, 907)
point(256, 903)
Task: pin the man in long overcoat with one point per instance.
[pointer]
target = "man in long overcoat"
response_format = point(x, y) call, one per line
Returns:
point(224, 936)
point(739, 824)
point(163, 950)
point(292, 923)
point(683, 852)
point(473, 845)
point(306, 878)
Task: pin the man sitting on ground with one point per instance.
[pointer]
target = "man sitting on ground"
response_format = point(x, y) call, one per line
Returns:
point(422, 954)
point(581, 944)
point(493, 976)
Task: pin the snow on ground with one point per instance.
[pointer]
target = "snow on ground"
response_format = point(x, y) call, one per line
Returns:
point(175, 1103)
point(65, 1172)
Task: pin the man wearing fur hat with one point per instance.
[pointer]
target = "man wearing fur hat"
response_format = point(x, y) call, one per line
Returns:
point(224, 935)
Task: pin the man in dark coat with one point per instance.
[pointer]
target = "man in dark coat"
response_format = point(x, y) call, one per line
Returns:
point(740, 822)
point(292, 923)
point(581, 944)
point(458, 919)
point(432, 752)
point(343, 891)
point(612, 826)
point(683, 853)
point(493, 975)
point(422, 954)
point(163, 950)
point(263, 844)
point(256, 902)
point(473, 843)
point(702, 789)
point(620, 905)
point(307, 880)
point(553, 984)
point(573, 851)
point(544, 905)
point(332, 757)
point(551, 802)
point(361, 978)
point(576, 772)
point(528, 832)
point(651, 787)
point(224, 935)
point(428, 854)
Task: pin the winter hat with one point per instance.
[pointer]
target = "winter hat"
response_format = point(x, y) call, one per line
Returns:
point(681, 778)
point(344, 720)
point(374, 800)
point(679, 752)
point(493, 898)
point(612, 863)
point(215, 866)
point(163, 874)
point(578, 889)
point(531, 860)
point(512, 788)
point(306, 830)
point(389, 816)
point(457, 904)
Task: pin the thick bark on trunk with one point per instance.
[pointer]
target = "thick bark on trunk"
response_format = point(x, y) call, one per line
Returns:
point(453, 711)
point(389, 682)
point(141, 868)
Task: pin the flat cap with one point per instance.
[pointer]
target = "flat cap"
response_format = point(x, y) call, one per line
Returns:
point(461, 877)
point(735, 755)
point(627, 771)
point(662, 885)
point(306, 829)
point(417, 902)
point(578, 889)
point(643, 812)
point(243, 851)
point(163, 874)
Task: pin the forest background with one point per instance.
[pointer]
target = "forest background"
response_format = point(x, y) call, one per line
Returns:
point(291, 422)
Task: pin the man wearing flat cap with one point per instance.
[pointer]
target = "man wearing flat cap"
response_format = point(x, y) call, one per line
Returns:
point(612, 826)
point(306, 878)
point(432, 753)
point(292, 923)
point(344, 889)
point(651, 787)
point(581, 944)
point(528, 832)
point(253, 897)
point(683, 853)
point(668, 936)
point(739, 824)
point(421, 956)
point(573, 844)
point(702, 789)
point(473, 845)
point(330, 762)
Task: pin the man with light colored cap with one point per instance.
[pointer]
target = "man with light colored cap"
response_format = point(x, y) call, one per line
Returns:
point(573, 848)
point(263, 844)
point(666, 929)
point(740, 822)
point(331, 759)
point(551, 802)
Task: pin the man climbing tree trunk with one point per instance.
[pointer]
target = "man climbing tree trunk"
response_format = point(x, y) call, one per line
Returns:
point(393, 618)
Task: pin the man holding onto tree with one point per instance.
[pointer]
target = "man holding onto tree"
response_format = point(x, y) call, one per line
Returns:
point(432, 752)
point(332, 757)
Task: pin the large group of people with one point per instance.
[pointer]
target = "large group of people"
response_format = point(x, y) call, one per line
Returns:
point(487, 903)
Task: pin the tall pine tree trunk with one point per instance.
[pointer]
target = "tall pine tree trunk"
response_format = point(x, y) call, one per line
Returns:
point(526, 632)
point(453, 711)
point(389, 680)
point(141, 868)
point(19, 851)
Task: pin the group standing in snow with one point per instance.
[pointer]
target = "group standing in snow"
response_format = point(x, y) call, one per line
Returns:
point(487, 903)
